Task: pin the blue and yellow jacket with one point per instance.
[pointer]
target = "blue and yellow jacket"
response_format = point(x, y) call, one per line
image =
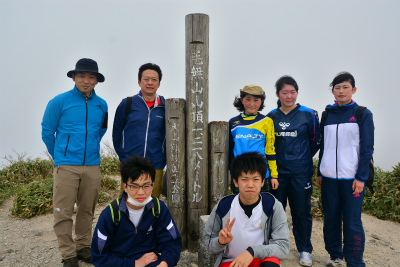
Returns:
point(123, 244)
point(297, 139)
point(73, 126)
point(249, 134)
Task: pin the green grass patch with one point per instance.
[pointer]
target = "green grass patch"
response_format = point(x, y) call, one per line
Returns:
point(32, 184)
point(383, 204)
point(33, 199)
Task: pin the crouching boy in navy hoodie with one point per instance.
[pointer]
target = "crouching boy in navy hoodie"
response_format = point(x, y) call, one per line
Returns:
point(249, 228)
point(146, 234)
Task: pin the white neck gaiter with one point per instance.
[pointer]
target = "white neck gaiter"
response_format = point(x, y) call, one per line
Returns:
point(138, 204)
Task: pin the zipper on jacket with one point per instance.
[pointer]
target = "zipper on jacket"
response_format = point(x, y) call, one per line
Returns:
point(147, 133)
point(337, 140)
point(136, 227)
point(66, 147)
point(84, 155)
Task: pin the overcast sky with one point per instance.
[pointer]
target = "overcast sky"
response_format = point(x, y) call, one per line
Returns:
point(251, 42)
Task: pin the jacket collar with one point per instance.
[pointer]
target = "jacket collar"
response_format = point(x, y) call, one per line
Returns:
point(76, 92)
point(335, 106)
point(162, 102)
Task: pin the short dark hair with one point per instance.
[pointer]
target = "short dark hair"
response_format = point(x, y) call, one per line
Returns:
point(248, 162)
point(343, 77)
point(285, 80)
point(134, 166)
point(237, 103)
point(149, 66)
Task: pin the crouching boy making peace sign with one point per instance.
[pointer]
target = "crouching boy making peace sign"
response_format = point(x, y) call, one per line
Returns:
point(258, 234)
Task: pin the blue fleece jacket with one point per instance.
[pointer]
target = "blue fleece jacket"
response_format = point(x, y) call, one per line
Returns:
point(122, 245)
point(73, 126)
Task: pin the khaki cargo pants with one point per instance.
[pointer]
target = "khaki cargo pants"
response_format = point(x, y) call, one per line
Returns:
point(80, 184)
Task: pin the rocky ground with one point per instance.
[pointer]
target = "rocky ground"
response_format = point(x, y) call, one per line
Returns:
point(31, 242)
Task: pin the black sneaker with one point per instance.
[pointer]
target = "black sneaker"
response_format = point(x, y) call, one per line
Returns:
point(71, 262)
point(84, 255)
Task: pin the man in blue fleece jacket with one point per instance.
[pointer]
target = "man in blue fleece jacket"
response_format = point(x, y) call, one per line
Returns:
point(73, 124)
point(140, 238)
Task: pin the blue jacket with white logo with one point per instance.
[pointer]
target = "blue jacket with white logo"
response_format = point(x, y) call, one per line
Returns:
point(144, 132)
point(347, 147)
point(73, 126)
point(297, 139)
point(123, 244)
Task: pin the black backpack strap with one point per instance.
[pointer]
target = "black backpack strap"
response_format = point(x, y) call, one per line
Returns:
point(115, 213)
point(127, 109)
point(359, 114)
point(269, 223)
point(371, 175)
point(324, 115)
point(156, 208)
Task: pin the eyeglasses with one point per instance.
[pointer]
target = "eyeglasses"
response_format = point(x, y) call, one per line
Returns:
point(135, 187)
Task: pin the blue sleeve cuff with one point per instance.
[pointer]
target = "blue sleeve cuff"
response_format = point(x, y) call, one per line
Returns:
point(251, 251)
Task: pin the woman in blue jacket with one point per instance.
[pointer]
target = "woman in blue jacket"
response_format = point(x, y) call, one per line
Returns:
point(297, 140)
point(346, 150)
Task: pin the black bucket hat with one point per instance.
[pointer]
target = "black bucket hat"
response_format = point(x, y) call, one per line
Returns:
point(87, 65)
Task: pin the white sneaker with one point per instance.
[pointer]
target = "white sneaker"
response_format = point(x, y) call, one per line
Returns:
point(334, 262)
point(305, 259)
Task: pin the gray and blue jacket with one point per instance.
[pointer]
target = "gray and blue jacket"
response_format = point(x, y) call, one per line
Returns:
point(73, 126)
point(274, 226)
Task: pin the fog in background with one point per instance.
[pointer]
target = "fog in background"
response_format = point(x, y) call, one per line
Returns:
point(251, 42)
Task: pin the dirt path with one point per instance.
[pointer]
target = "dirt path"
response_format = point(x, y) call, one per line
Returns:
point(32, 242)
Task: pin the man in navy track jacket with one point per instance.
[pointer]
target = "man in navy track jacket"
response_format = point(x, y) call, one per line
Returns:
point(142, 130)
point(141, 238)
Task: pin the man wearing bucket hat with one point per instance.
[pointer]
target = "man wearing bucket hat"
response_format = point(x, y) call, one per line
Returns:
point(73, 124)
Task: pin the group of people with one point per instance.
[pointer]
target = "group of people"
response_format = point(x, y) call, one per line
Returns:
point(289, 136)
point(270, 162)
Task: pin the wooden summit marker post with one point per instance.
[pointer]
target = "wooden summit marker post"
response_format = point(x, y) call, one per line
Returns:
point(218, 164)
point(197, 31)
point(176, 162)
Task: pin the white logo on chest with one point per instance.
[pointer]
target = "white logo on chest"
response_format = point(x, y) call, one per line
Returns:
point(284, 125)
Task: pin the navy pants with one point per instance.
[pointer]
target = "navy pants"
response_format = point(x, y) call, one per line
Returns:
point(298, 190)
point(339, 204)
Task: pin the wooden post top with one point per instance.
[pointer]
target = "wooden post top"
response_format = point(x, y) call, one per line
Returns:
point(197, 28)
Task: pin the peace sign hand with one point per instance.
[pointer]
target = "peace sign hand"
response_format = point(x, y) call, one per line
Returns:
point(225, 235)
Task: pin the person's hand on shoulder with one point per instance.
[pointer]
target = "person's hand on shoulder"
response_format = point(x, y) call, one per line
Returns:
point(225, 235)
point(243, 260)
point(146, 259)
